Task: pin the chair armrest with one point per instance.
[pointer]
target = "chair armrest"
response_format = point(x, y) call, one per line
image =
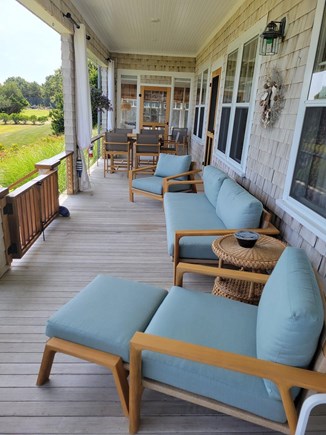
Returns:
point(132, 173)
point(168, 181)
point(285, 377)
point(182, 268)
point(193, 171)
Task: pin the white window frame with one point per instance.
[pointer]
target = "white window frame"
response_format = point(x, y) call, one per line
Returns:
point(303, 214)
point(139, 73)
point(238, 44)
point(201, 104)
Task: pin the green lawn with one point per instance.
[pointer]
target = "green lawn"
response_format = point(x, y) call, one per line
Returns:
point(22, 134)
point(36, 112)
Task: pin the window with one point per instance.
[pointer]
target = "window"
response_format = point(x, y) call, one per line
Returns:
point(237, 95)
point(308, 185)
point(180, 104)
point(201, 91)
point(128, 104)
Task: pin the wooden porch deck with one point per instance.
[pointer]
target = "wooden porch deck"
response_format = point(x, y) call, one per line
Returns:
point(105, 234)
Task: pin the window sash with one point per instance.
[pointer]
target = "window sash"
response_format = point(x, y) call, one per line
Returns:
point(241, 68)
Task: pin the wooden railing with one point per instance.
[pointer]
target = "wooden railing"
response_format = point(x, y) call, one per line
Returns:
point(29, 209)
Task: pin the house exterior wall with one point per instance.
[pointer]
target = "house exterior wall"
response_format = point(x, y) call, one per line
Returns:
point(269, 148)
point(154, 63)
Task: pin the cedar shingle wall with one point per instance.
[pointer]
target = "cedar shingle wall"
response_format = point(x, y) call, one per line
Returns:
point(269, 148)
point(154, 63)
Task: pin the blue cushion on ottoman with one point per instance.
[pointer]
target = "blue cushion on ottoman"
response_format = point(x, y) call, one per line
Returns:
point(106, 314)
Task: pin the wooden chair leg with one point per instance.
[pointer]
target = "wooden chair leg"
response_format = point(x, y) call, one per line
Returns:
point(120, 378)
point(112, 164)
point(112, 362)
point(136, 390)
point(46, 365)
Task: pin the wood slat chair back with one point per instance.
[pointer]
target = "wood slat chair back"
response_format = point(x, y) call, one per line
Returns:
point(117, 149)
point(146, 145)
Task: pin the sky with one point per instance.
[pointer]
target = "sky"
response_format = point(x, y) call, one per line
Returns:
point(29, 48)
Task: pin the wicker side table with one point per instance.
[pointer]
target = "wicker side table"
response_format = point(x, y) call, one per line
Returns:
point(262, 257)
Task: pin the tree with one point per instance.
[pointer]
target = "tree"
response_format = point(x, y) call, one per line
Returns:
point(32, 91)
point(11, 98)
point(52, 89)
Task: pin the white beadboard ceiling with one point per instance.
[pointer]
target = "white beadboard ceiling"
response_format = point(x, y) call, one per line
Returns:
point(163, 27)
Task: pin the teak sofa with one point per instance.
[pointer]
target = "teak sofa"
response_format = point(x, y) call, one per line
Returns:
point(194, 220)
point(240, 359)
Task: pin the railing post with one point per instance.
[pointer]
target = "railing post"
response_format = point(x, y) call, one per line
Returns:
point(5, 258)
point(70, 174)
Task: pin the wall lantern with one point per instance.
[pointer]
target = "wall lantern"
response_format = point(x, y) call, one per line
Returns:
point(271, 36)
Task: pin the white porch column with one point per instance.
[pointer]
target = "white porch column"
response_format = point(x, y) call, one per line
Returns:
point(104, 85)
point(68, 74)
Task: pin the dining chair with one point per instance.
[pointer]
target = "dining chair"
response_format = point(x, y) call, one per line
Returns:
point(179, 137)
point(116, 146)
point(146, 145)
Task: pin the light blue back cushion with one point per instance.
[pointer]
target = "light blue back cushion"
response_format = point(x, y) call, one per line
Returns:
point(213, 179)
point(236, 207)
point(169, 164)
point(106, 314)
point(220, 323)
point(290, 314)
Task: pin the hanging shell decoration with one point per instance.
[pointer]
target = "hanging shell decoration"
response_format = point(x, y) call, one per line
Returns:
point(272, 100)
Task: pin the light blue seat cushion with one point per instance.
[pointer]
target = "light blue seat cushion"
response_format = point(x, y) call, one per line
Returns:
point(216, 322)
point(106, 314)
point(154, 184)
point(169, 164)
point(191, 211)
point(236, 207)
point(290, 314)
point(213, 179)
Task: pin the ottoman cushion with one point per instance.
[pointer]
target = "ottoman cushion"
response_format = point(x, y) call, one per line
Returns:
point(106, 314)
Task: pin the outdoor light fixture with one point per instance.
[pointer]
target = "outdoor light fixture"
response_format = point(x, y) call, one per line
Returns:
point(271, 36)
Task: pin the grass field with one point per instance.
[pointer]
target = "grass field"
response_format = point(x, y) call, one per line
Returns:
point(36, 112)
point(22, 134)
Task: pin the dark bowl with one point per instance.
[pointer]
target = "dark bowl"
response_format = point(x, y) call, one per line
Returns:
point(246, 239)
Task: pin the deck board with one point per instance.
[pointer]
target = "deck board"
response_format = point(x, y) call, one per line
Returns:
point(105, 233)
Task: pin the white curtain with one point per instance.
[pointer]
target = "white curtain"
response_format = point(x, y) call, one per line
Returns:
point(111, 95)
point(83, 102)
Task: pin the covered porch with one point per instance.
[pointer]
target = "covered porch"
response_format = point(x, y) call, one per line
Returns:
point(107, 234)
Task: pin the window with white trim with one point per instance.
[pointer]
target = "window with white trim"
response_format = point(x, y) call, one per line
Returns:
point(309, 178)
point(201, 91)
point(237, 101)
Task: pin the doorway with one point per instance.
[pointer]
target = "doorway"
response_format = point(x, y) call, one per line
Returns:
point(215, 85)
point(155, 108)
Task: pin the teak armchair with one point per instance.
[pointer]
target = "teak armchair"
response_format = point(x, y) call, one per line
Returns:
point(172, 173)
point(285, 377)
